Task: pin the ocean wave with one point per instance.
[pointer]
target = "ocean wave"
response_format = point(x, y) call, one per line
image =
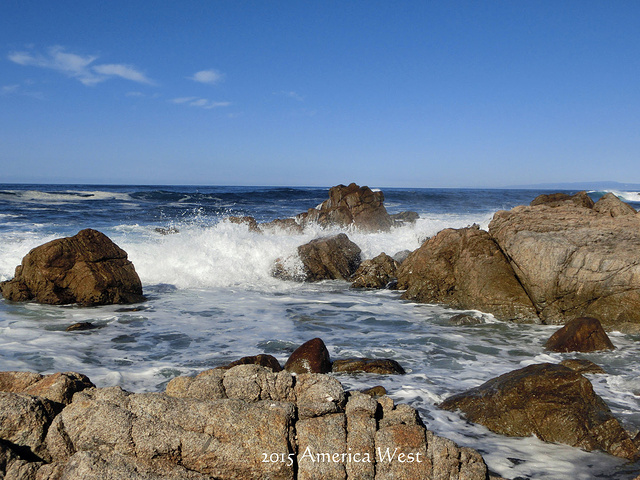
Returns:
point(627, 196)
point(38, 196)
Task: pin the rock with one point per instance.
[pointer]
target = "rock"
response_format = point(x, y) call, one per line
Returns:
point(462, 319)
point(376, 391)
point(573, 261)
point(582, 366)
point(329, 258)
point(381, 366)
point(166, 230)
point(310, 357)
point(58, 387)
point(286, 225)
point(580, 199)
point(87, 268)
point(24, 422)
point(80, 327)
point(249, 221)
point(319, 431)
point(611, 205)
point(401, 256)
point(465, 269)
point(264, 360)
point(350, 206)
point(404, 217)
point(583, 334)
point(552, 402)
point(375, 273)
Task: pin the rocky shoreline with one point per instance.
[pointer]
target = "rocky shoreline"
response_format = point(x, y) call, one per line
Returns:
point(562, 259)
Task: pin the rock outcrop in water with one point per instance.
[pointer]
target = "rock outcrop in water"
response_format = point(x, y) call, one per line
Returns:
point(379, 272)
point(560, 258)
point(247, 422)
point(574, 261)
point(552, 402)
point(465, 269)
point(580, 335)
point(352, 205)
point(87, 268)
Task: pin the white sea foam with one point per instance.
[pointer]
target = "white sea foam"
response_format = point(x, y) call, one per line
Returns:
point(37, 196)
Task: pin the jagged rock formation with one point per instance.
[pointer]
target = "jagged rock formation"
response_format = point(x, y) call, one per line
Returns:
point(87, 268)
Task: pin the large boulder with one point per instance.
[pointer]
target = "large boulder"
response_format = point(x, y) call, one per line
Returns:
point(310, 357)
point(352, 205)
point(552, 402)
point(57, 387)
point(580, 199)
point(329, 258)
point(580, 335)
point(87, 268)
point(465, 269)
point(573, 261)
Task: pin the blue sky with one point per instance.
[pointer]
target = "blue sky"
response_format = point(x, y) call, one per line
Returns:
point(417, 93)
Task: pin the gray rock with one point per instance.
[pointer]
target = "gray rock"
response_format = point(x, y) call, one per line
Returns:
point(378, 272)
point(611, 205)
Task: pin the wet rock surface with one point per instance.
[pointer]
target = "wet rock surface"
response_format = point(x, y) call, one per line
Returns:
point(87, 268)
point(310, 357)
point(552, 402)
point(379, 272)
point(583, 334)
point(329, 258)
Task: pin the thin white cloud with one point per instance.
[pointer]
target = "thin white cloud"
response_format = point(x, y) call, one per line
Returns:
point(8, 89)
point(199, 102)
point(124, 71)
point(80, 67)
point(291, 94)
point(210, 77)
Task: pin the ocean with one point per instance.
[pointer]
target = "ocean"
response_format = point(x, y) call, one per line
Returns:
point(211, 299)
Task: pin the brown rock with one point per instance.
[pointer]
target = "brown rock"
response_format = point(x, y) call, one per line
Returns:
point(310, 357)
point(465, 269)
point(376, 391)
point(382, 366)
point(573, 261)
point(58, 387)
point(249, 221)
point(375, 273)
point(351, 205)
point(582, 366)
point(549, 401)
point(87, 268)
point(262, 359)
point(583, 334)
point(404, 217)
point(611, 205)
point(580, 199)
point(329, 258)
point(80, 327)
point(287, 225)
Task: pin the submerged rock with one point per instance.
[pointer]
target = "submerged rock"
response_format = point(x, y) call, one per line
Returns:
point(552, 402)
point(87, 268)
point(379, 272)
point(352, 205)
point(382, 366)
point(465, 269)
point(583, 334)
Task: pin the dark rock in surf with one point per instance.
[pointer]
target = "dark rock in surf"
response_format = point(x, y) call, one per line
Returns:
point(583, 334)
point(465, 269)
point(352, 205)
point(287, 225)
point(375, 273)
point(329, 258)
point(263, 360)
point(552, 402)
point(381, 366)
point(88, 269)
point(310, 357)
point(402, 218)
point(80, 327)
point(248, 221)
point(462, 319)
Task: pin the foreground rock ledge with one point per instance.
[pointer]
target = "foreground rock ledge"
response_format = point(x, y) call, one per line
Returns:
point(243, 423)
point(88, 269)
